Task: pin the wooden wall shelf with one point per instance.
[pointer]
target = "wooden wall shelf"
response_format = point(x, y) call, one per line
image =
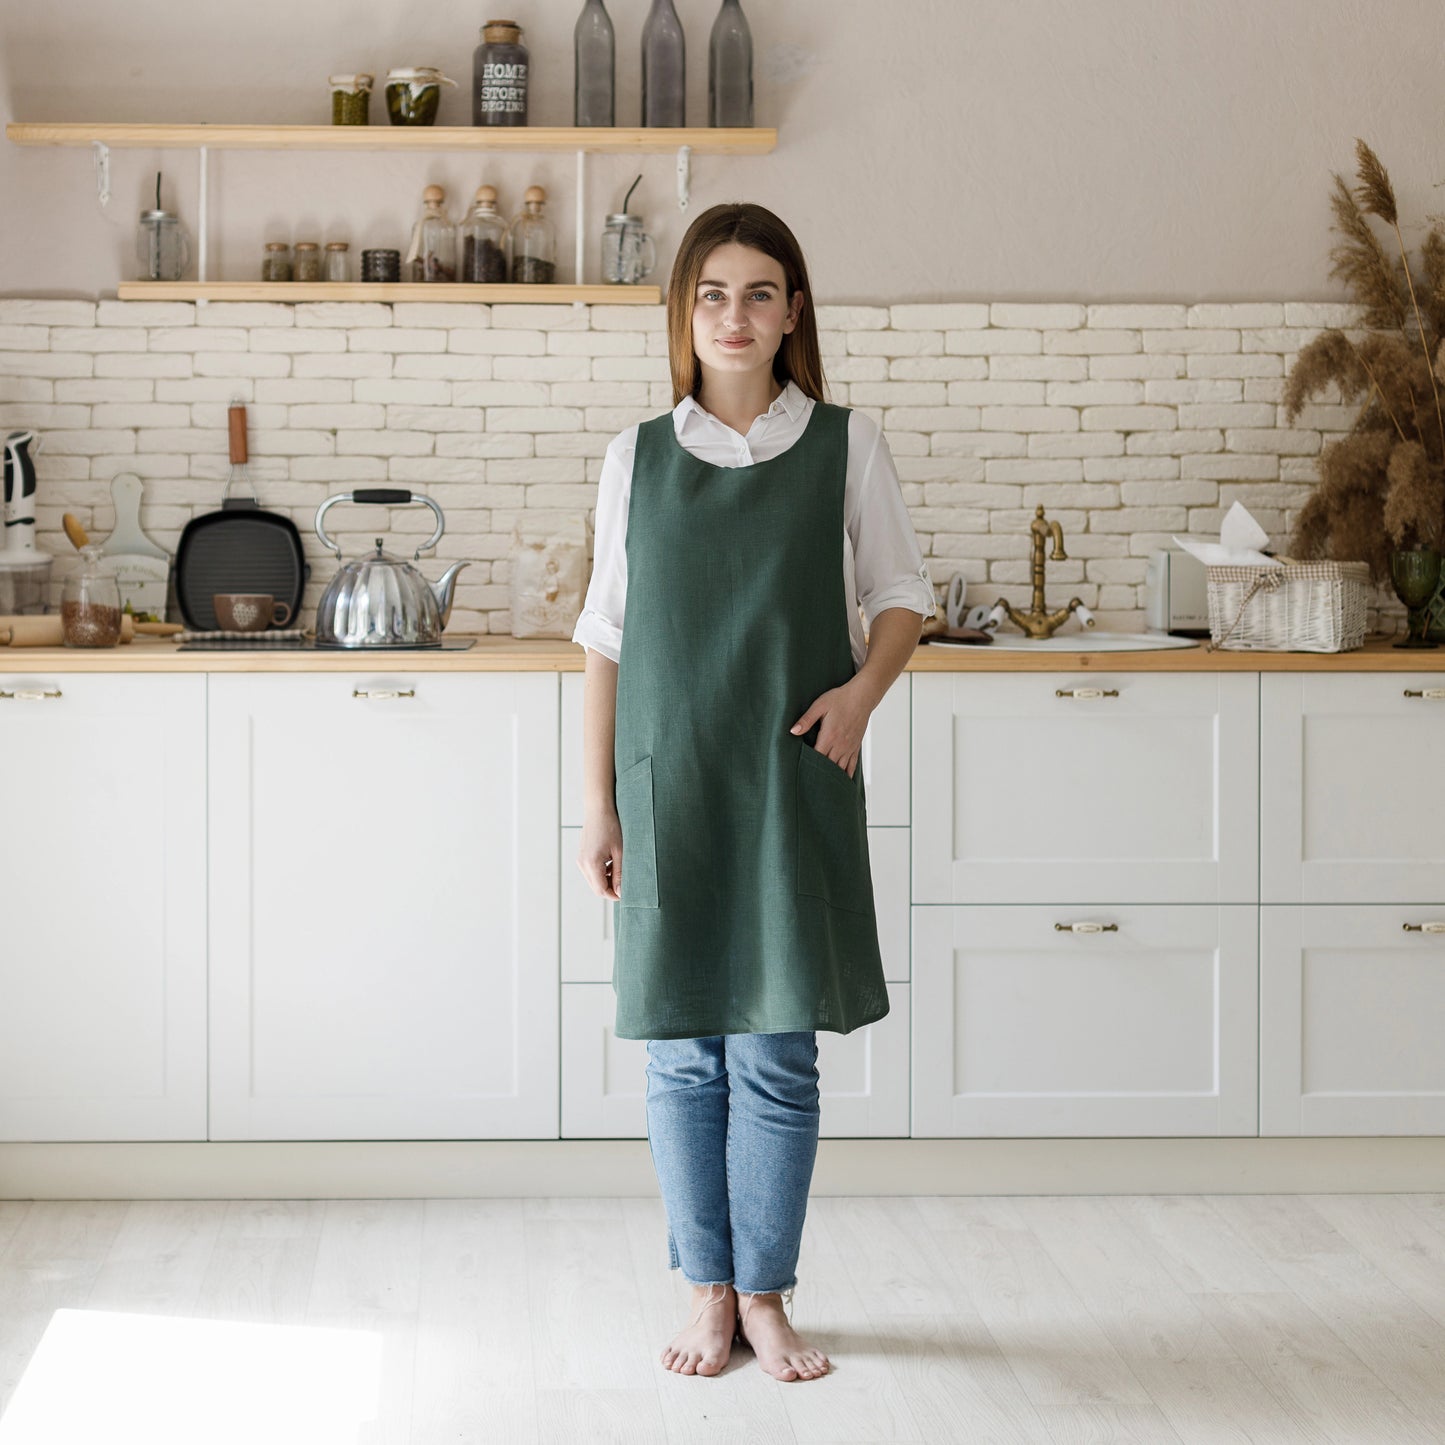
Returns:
point(636, 140)
point(384, 291)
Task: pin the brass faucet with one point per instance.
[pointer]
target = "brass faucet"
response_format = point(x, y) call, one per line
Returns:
point(1038, 621)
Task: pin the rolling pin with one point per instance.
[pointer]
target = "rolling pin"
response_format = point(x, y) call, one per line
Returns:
point(47, 630)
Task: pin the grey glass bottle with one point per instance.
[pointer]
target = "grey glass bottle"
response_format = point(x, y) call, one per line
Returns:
point(663, 93)
point(730, 68)
point(596, 49)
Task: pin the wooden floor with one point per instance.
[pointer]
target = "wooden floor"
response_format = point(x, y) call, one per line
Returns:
point(1154, 1318)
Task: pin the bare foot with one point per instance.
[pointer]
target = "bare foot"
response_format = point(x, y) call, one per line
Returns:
point(781, 1351)
point(702, 1347)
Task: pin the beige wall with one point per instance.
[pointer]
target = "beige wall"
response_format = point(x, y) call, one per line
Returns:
point(995, 149)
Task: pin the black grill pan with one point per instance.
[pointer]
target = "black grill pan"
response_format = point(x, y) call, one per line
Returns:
point(241, 548)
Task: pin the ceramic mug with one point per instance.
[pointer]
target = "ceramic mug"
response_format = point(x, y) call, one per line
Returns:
point(249, 611)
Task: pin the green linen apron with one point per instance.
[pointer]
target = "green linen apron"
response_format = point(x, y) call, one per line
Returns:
point(747, 898)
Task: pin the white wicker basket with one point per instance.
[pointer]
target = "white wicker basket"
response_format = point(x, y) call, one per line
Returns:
point(1300, 607)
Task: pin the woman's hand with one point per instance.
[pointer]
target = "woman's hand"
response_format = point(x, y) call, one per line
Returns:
point(845, 712)
point(600, 856)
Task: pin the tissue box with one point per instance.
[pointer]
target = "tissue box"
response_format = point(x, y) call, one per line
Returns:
point(1300, 607)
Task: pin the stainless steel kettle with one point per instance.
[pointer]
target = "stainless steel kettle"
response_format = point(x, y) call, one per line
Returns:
point(382, 601)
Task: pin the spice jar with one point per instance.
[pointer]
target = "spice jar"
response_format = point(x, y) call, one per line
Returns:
point(350, 98)
point(484, 240)
point(90, 604)
point(276, 262)
point(433, 252)
point(533, 242)
point(338, 261)
point(381, 265)
point(308, 262)
point(413, 94)
point(499, 75)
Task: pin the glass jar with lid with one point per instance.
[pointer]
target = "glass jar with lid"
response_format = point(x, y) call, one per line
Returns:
point(338, 261)
point(276, 261)
point(483, 235)
point(413, 94)
point(499, 75)
point(307, 266)
point(533, 242)
point(162, 246)
point(90, 603)
point(628, 254)
point(433, 252)
point(350, 98)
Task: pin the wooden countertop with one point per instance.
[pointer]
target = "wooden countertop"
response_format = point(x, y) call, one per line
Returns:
point(511, 654)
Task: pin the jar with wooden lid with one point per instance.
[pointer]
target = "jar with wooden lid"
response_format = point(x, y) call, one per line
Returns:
point(276, 261)
point(433, 252)
point(483, 236)
point(350, 98)
point(307, 266)
point(533, 242)
point(499, 75)
point(338, 261)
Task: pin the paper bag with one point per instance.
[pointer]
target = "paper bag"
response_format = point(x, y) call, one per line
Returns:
point(549, 577)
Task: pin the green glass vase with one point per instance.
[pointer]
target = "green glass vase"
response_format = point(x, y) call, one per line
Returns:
point(1415, 576)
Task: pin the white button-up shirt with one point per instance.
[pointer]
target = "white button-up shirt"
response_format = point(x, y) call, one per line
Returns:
point(883, 565)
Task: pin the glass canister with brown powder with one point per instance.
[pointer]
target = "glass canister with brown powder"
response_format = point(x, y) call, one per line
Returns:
point(90, 603)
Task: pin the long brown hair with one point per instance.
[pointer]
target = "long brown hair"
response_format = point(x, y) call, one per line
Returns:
point(797, 358)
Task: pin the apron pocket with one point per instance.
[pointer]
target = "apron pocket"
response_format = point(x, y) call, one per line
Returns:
point(639, 838)
point(832, 834)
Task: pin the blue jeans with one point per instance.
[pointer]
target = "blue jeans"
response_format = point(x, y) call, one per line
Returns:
point(732, 1122)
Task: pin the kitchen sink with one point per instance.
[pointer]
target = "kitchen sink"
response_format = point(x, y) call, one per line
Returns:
point(1082, 640)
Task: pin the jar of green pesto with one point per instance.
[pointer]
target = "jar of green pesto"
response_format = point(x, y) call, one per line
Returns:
point(350, 99)
point(413, 94)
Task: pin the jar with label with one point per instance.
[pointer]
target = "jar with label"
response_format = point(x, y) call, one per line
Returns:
point(413, 94)
point(483, 235)
point(350, 98)
point(533, 242)
point(338, 261)
point(90, 603)
point(308, 262)
point(499, 75)
point(433, 252)
point(276, 262)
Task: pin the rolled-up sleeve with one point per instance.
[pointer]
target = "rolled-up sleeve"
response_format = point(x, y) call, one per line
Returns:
point(599, 626)
point(888, 563)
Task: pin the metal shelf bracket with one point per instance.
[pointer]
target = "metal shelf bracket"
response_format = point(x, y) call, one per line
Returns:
point(684, 175)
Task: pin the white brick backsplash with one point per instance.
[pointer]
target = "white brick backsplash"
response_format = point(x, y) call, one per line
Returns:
point(1127, 421)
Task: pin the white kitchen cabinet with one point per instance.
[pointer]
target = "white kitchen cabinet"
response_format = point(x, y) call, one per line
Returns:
point(383, 905)
point(103, 964)
point(1023, 1026)
point(1081, 787)
point(1352, 778)
point(862, 1076)
point(1352, 1000)
point(883, 757)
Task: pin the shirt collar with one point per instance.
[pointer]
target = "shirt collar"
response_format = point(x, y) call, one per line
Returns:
point(791, 400)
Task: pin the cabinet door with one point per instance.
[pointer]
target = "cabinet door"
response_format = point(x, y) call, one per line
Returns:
point(1023, 1026)
point(103, 964)
point(1075, 787)
point(1351, 1004)
point(883, 757)
point(863, 1076)
point(587, 938)
point(383, 906)
point(1353, 787)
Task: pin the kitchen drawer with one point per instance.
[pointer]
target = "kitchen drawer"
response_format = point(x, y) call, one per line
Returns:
point(1352, 778)
point(1351, 1011)
point(1078, 786)
point(863, 1076)
point(103, 856)
point(587, 920)
point(883, 757)
point(1021, 1029)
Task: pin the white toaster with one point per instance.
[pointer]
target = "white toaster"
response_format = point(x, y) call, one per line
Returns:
point(1175, 596)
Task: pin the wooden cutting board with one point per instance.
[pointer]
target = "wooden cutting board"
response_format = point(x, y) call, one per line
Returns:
point(141, 567)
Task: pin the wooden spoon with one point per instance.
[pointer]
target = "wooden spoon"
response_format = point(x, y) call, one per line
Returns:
point(74, 530)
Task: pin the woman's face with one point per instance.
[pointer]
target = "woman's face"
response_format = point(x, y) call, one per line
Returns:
point(740, 312)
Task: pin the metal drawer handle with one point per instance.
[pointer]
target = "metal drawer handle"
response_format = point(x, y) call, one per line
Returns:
point(24, 694)
point(1083, 692)
point(383, 694)
point(1086, 928)
point(1423, 927)
point(1435, 692)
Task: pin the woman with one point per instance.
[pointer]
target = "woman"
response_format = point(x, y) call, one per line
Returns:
point(725, 816)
